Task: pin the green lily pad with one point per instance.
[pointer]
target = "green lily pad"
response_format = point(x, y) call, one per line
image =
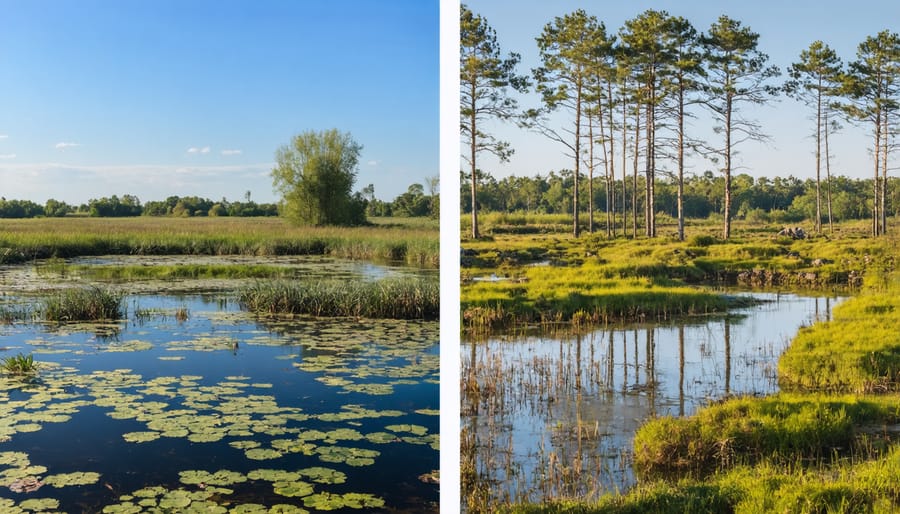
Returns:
point(175, 500)
point(76, 478)
point(322, 475)
point(412, 429)
point(262, 454)
point(283, 508)
point(274, 475)
point(140, 437)
point(222, 477)
point(123, 508)
point(428, 412)
point(39, 504)
point(292, 489)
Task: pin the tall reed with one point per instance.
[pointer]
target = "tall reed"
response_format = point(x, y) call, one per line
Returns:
point(389, 298)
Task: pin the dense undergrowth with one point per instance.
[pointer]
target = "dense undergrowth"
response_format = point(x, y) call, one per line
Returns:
point(32, 239)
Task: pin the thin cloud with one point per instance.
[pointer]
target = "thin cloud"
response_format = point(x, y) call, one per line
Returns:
point(8, 156)
point(64, 145)
point(3, 136)
point(372, 163)
point(231, 152)
point(195, 149)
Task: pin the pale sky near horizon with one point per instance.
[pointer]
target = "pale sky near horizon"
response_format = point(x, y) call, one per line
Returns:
point(785, 28)
point(176, 97)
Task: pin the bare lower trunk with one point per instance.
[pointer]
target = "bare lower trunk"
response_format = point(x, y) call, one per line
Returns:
point(828, 178)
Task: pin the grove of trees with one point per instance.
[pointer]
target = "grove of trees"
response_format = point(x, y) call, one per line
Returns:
point(633, 89)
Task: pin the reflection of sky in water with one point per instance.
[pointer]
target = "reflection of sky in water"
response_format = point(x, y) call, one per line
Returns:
point(620, 389)
point(264, 353)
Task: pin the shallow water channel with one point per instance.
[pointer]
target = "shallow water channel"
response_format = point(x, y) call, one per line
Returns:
point(192, 405)
point(554, 416)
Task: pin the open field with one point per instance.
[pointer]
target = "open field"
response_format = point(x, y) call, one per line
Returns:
point(415, 243)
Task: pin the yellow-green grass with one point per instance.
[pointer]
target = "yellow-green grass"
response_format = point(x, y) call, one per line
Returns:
point(834, 486)
point(26, 240)
point(82, 304)
point(406, 298)
point(168, 272)
point(857, 351)
point(783, 428)
point(581, 294)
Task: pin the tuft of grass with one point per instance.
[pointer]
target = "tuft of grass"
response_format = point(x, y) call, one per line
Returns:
point(19, 365)
point(390, 298)
point(87, 304)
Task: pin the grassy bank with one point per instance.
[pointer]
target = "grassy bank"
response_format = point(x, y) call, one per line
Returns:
point(165, 272)
point(808, 450)
point(394, 298)
point(30, 239)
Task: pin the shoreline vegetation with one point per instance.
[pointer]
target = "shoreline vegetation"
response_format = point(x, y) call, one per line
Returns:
point(510, 279)
point(388, 239)
point(825, 443)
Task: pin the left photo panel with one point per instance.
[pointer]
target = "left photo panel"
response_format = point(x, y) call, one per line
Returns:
point(219, 257)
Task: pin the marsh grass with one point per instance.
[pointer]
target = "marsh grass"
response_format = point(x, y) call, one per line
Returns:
point(32, 239)
point(19, 365)
point(389, 298)
point(82, 304)
point(181, 271)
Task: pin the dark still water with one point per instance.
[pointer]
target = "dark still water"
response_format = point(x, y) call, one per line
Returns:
point(554, 417)
point(194, 406)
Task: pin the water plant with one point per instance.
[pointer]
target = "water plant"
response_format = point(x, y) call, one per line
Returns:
point(19, 365)
point(82, 304)
point(388, 298)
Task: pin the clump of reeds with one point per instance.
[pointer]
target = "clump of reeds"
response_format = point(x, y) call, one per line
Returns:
point(82, 304)
point(19, 365)
point(391, 298)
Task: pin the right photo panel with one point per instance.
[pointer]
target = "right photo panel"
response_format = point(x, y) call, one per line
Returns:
point(678, 230)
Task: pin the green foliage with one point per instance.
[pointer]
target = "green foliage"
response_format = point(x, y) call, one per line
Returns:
point(87, 304)
point(416, 243)
point(395, 299)
point(19, 365)
point(315, 175)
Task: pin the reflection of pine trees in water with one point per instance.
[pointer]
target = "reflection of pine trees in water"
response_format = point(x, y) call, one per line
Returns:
point(552, 416)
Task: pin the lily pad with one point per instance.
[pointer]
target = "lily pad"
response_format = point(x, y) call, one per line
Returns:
point(76, 478)
point(140, 437)
point(293, 489)
point(262, 454)
point(322, 475)
point(274, 475)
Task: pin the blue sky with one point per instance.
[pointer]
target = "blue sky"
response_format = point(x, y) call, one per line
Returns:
point(193, 97)
point(786, 27)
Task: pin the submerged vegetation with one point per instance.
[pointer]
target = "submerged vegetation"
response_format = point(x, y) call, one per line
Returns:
point(388, 298)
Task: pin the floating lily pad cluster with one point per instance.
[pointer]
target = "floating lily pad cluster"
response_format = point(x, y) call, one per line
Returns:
point(234, 411)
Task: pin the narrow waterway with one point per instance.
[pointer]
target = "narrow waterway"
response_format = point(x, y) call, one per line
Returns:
point(550, 417)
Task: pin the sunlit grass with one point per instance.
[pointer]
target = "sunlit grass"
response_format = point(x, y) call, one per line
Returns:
point(389, 298)
point(31, 239)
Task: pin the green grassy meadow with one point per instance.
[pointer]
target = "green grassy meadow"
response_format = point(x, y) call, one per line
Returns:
point(397, 239)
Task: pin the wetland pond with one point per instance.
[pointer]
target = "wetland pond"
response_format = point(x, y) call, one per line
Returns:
point(192, 405)
point(554, 416)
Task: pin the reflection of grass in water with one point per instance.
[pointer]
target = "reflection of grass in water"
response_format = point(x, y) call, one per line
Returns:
point(395, 299)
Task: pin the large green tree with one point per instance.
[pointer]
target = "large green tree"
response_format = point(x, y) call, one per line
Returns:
point(873, 87)
point(565, 46)
point(736, 74)
point(315, 175)
point(814, 79)
point(484, 76)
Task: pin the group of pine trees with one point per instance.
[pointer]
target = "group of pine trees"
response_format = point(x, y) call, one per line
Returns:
point(633, 89)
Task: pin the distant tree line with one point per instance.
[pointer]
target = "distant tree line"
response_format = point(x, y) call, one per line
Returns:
point(616, 102)
point(414, 202)
point(779, 199)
